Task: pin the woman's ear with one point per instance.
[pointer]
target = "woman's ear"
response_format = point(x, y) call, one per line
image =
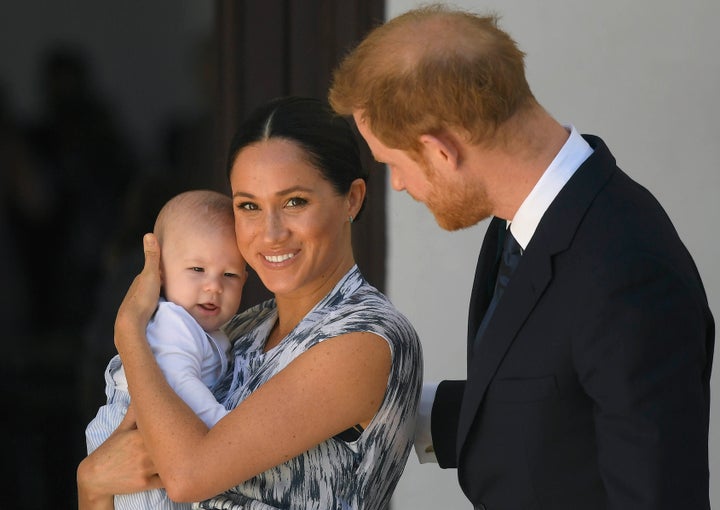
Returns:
point(441, 150)
point(356, 196)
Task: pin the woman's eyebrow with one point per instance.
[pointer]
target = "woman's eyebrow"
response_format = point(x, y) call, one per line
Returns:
point(282, 192)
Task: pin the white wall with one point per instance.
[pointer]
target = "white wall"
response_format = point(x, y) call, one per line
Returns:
point(643, 75)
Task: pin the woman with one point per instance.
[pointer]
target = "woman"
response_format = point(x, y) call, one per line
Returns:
point(326, 376)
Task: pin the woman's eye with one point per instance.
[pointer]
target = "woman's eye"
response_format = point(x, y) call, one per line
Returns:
point(296, 202)
point(247, 206)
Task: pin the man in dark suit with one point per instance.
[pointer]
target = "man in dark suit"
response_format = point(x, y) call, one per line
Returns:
point(590, 340)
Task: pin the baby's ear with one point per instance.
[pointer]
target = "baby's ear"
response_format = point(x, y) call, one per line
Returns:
point(162, 281)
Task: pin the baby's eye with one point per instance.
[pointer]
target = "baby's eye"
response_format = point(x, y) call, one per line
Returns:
point(296, 202)
point(230, 275)
point(197, 269)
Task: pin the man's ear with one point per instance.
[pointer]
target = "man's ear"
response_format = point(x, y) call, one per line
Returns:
point(442, 150)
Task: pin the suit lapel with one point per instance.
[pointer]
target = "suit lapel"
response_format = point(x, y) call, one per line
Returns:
point(534, 273)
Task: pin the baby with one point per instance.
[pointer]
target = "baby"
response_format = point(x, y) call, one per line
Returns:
point(203, 275)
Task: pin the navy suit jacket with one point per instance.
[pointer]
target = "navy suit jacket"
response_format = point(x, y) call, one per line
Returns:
point(590, 386)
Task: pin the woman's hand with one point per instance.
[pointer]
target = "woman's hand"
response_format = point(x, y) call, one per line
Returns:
point(142, 297)
point(120, 465)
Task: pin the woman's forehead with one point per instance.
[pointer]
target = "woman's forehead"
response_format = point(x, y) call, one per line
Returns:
point(274, 166)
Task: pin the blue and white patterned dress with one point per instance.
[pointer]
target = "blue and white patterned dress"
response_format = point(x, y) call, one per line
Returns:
point(335, 474)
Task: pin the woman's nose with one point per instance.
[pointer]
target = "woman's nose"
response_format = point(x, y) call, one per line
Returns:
point(275, 229)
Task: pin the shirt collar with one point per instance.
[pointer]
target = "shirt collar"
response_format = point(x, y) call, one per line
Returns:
point(572, 154)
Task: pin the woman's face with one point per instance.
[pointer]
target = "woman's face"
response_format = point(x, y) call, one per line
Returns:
point(291, 224)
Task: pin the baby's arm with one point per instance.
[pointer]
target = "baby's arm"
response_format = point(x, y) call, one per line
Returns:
point(184, 352)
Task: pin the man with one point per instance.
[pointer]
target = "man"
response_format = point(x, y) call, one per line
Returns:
point(590, 340)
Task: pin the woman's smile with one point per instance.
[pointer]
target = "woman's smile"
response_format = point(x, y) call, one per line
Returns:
point(279, 258)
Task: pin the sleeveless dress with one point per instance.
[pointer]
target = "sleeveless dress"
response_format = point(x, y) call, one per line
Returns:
point(335, 474)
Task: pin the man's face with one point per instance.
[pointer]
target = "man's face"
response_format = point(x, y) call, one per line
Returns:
point(456, 201)
point(405, 172)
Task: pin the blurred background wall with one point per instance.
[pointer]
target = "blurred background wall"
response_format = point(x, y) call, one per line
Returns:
point(98, 103)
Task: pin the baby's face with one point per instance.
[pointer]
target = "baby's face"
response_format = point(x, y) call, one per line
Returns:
point(204, 273)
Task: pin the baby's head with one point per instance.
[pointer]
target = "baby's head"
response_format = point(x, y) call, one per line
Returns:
point(202, 269)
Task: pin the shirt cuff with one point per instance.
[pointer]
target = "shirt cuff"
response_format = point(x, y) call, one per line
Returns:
point(423, 432)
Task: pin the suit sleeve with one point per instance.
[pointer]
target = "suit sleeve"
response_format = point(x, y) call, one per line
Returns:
point(444, 421)
point(644, 356)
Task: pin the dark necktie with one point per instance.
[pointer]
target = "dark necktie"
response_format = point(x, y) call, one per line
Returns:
point(509, 260)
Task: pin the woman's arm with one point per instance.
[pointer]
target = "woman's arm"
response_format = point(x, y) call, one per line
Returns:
point(331, 387)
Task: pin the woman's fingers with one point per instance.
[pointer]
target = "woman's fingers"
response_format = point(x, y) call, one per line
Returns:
point(120, 465)
point(140, 301)
point(152, 255)
point(148, 281)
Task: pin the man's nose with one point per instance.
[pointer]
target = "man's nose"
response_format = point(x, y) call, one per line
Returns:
point(396, 180)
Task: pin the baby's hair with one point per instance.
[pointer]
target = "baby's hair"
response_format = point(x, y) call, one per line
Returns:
point(205, 208)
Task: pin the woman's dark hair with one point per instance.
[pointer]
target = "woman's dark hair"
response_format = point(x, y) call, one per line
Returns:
point(327, 138)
